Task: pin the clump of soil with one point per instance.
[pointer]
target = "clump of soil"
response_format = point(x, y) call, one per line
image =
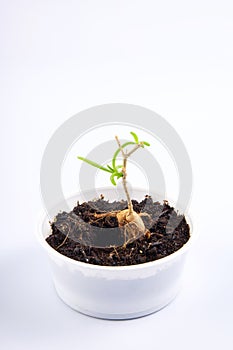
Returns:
point(86, 236)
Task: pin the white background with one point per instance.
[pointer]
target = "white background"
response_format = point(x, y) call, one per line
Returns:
point(60, 57)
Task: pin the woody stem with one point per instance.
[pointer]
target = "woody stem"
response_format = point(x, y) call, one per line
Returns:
point(130, 205)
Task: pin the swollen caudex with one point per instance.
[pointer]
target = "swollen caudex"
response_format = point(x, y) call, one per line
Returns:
point(130, 221)
point(124, 217)
point(132, 224)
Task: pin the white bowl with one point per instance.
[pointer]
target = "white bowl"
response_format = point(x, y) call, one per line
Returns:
point(119, 292)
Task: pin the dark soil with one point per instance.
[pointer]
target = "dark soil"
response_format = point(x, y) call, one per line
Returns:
point(81, 236)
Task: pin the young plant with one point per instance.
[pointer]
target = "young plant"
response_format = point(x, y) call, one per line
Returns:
point(128, 218)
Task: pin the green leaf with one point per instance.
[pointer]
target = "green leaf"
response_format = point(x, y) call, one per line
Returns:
point(119, 175)
point(135, 136)
point(146, 143)
point(118, 151)
point(112, 179)
point(110, 168)
point(94, 164)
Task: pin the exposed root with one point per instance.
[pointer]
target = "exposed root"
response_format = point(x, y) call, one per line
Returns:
point(64, 241)
point(131, 223)
point(103, 215)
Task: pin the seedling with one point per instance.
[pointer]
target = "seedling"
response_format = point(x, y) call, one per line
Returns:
point(128, 218)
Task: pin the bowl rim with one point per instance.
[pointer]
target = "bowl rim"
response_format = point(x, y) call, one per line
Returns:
point(43, 216)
